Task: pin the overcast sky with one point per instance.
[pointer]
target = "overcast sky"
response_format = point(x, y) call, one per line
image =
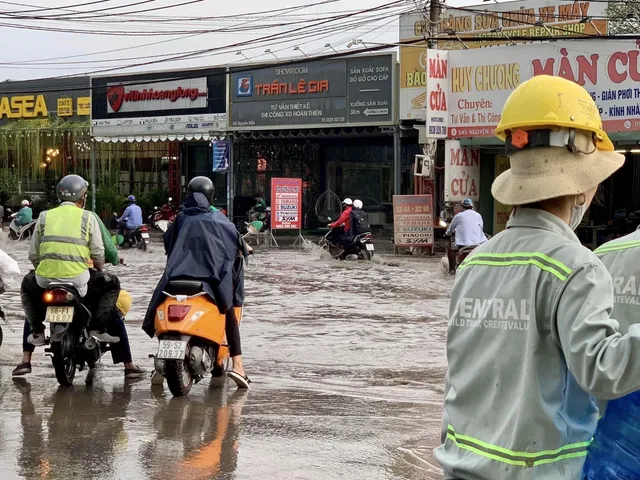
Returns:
point(23, 45)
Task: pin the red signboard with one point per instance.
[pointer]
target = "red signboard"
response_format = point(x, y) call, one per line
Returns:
point(286, 203)
point(413, 220)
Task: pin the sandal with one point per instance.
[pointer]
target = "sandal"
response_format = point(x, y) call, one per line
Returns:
point(242, 381)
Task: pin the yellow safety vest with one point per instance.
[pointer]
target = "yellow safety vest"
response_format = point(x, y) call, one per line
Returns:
point(65, 234)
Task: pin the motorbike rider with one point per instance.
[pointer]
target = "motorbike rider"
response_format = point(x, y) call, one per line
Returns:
point(530, 340)
point(259, 208)
point(23, 217)
point(468, 228)
point(131, 217)
point(341, 228)
point(203, 244)
point(120, 351)
point(65, 240)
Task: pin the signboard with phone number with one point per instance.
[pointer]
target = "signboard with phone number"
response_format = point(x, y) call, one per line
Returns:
point(286, 203)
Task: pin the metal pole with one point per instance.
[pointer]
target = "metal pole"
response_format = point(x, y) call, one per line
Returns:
point(230, 179)
point(93, 176)
point(434, 19)
point(397, 163)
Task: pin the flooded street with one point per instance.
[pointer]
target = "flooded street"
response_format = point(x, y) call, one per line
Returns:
point(347, 362)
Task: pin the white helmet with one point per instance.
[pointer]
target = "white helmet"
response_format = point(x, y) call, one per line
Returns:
point(347, 201)
point(357, 204)
point(25, 203)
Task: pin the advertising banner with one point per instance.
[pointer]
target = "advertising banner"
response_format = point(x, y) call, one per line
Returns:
point(179, 125)
point(500, 212)
point(353, 91)
point(481, 81)
point(286, 203)
point(413, 220)
point(145, 97)
point(220, 155)
point(461, 172)
point(495, 22)
point(437, 93)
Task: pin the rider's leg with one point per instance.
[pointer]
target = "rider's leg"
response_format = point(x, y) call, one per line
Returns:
point(24, 366)
point(31, 295)
point(121, 351)
point(102, 294)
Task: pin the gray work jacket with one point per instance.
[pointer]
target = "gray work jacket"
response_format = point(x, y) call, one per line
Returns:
point(530, 344)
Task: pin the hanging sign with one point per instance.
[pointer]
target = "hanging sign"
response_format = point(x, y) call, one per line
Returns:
point(413, 220)
point(286, 203)
point(461, 172)
point(437, 93)
point(220, 156)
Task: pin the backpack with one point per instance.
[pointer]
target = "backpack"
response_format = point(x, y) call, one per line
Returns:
point(359, 222)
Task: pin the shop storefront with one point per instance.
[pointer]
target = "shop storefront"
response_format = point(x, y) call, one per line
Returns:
point(479, 85)
point(158, 129)
point(44, 133)
point(331, 123)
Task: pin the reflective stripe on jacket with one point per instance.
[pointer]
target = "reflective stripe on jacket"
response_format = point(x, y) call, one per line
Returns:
point(530, 343)
point(65, 234)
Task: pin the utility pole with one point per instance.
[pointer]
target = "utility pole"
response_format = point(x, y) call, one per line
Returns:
point(434, 21)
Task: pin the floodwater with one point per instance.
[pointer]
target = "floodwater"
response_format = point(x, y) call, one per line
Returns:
point(347, 361)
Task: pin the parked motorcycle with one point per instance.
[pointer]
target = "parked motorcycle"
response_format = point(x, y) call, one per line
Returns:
point(163, 215)
point(191, 334)
point(70, 345)
point(361, 248)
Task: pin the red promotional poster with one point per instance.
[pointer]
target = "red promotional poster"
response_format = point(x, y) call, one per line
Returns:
point(413, 220)
point(286, 203)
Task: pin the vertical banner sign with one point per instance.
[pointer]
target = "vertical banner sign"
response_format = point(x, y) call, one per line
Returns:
point(220, 156)
point(461, 172)
point(413, 220)
point(437, 93)
point(286, 203)
point(500, 212)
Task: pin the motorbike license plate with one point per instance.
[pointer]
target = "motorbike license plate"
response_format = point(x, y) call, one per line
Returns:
point(369, 246)
point(144, 235)
point(59, 314)
point(171, 350)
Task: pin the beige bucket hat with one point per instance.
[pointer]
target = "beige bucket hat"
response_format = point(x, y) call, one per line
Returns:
point(542, 173)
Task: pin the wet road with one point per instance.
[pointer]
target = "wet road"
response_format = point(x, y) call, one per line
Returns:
point(347, 362)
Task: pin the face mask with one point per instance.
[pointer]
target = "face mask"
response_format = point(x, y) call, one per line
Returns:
point(577, 213)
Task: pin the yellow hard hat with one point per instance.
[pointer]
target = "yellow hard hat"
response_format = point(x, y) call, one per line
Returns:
point(552, 102)
point(124, 302)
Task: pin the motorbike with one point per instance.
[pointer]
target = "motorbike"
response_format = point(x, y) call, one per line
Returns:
point(162, 216)
point(262, 224)
point(191, 334)
point(70, 346)
point(456, 257)
point(136, 238)
point(361, 248)
point(24, 232)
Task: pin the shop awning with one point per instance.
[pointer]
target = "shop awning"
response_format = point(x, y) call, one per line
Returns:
point(158, 138)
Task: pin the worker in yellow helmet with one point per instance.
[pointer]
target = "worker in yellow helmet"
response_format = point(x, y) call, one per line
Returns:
point(530, 339)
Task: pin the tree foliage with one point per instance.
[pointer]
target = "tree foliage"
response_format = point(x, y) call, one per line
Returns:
point(624, 18)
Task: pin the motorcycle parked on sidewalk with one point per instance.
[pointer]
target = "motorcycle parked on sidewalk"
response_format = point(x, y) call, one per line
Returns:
point(361, 248)
point(191, 334)
point(70, 345)
point(163, 215)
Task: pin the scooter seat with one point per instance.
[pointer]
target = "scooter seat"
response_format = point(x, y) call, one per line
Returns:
point(183, 287)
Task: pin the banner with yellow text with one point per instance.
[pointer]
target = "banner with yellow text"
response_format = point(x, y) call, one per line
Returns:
point(495, 22)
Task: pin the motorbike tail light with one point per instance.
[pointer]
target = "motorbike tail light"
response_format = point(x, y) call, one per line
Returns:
point(58, 295)
point(143, 228)
point(176, 313)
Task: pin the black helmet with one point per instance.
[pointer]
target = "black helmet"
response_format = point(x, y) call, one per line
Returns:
point(72, 188)
point(202, 185)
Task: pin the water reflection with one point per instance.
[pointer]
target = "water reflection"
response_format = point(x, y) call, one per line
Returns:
point(197, 438)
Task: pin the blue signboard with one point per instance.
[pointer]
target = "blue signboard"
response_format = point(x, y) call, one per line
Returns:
point(220, 156)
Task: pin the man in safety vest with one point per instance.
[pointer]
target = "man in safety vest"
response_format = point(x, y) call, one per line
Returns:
point(530, 339)
point(65, 241)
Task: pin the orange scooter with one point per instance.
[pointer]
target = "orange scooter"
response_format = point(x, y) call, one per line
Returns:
point(191, 334)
